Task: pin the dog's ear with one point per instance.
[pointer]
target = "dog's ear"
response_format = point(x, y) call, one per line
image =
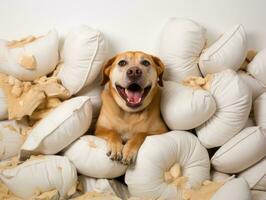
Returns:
point(160, 69)
point(106, 70)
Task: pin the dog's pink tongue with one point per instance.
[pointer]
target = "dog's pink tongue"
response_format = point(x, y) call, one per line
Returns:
point(134, 97)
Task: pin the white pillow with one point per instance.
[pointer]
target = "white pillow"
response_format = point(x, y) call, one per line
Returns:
point(40, 174)
point(258, 195)
point(236, 189)
point(93, 91)
point(83, 55)
point(3, 105)
point(219, 176)
point(255, 86)
point(112, 186)
point(181, 43)
point(250, 122)
point(228, 52)
point(233, 101)
point(43, 52)
point(256, 175)
point(241, 152)
point(161, 153)
point(257, 67)
point(88, 154)
point(185, 108)
point(259, 109)
point(59, 128)
point(11, 138)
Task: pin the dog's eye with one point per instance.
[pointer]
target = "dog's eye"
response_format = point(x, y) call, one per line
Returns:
point(122, 63)
point(145, 63)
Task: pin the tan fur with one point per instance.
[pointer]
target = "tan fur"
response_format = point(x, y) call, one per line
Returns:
point(117, 125)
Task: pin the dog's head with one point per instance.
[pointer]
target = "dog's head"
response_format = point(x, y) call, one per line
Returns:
point(133, 79)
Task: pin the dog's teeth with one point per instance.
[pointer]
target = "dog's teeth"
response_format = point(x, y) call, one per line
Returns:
point(139, 100)
point(126, 91)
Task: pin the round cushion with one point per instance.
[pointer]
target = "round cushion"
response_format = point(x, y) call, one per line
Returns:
point(185, 108)
point(233, 101)
point(158, 154)
point(88, 154)
point(181, 43)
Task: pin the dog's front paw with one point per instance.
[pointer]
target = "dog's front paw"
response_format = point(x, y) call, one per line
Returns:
point(114, 150)
point(129, 153)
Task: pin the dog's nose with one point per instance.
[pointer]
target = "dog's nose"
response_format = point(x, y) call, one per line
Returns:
point(134, 73)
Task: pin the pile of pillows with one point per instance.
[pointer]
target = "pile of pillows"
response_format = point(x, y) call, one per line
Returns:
point(214, 105)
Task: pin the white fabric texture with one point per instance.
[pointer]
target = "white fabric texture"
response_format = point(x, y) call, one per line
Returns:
point(219, 176)
point(258, 195)
point(3, 106)
point(181, 43)
point(93, 91)
point(250, 122)
point(44, 50)
point(184, 108)
point(241, 152)
point(10, 138)
point(41, 174)
point(59, 128)
point(257, 67)
point(233, 102)
point(255, 86)
point(228, 52)
point(88, 154)
point(157, 155)
point(104, 186)
point(256, 175)
point(236, 189)
point(259, 109)
point(83, 55)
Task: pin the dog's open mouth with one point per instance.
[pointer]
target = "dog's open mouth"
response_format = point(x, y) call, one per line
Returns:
point(134, 94)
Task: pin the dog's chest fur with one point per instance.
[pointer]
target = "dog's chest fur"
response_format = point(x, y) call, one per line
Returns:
point(127, 124)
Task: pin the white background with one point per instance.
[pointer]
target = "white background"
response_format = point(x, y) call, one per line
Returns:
point(131, 24)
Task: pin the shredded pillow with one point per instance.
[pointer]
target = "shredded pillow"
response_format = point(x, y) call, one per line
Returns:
point(31, 57)
point(40, 174)
point(233, 101)
point(88, 154)
point(164, 159)
point(184, 108)
point(59, 128)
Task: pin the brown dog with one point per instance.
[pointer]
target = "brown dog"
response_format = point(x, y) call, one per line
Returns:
point(130, 103)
